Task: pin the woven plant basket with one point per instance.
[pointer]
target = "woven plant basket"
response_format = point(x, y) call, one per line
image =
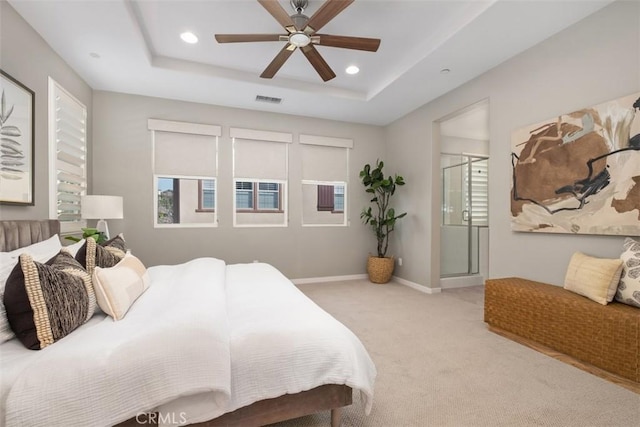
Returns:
point(380, 269)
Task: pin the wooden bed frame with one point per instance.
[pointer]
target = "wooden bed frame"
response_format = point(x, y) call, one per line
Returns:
point(16, 234)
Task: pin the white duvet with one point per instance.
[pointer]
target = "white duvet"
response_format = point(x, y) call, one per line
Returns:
point(174, 341)
point(205, 339)
point(281, 343)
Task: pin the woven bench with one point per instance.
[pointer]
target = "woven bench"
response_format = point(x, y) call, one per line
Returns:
point(604, 340)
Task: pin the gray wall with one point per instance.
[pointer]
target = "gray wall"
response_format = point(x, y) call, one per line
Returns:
point(457, 145)
point(122, 166)
point(28, 58)
point(596, 60)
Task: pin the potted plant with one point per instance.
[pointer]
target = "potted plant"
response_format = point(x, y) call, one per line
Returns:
point(381, 217)
point(98, 236)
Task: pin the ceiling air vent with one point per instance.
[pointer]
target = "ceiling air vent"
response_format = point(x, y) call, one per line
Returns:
point(269, 99)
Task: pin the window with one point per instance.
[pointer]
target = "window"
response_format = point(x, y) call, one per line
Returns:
point(185, 164)
point(325, 172)
point(258, 196)
point(206, 195)
point(338, 198)
point(168, 205)
point(331, 198)
point(268, 196)
point(67, 157)
point(260, 170)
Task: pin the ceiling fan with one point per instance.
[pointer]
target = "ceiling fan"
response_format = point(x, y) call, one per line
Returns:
point(302, 33)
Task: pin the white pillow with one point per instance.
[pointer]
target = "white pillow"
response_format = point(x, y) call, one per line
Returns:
point(594, 278)
point(5, 330)
point(75, 247)
point(119, 286)
point(41, 252)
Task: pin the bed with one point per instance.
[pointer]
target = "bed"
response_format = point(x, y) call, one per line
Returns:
point(272, 354)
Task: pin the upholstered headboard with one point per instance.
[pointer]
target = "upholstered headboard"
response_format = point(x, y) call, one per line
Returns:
point(16, 234)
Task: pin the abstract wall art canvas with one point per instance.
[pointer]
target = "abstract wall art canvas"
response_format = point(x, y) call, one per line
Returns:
point(579, 173)
point(16, 142)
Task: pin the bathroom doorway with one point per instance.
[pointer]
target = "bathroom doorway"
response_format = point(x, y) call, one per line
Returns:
point(464, 225)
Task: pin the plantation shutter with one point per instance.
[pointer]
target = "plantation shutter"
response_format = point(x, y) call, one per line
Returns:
point(68, 123)
point(479, 200)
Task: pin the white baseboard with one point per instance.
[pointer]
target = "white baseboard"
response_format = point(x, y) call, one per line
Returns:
point(416, 286)
point(461, 281)
point(400, 280)
point(328, 279)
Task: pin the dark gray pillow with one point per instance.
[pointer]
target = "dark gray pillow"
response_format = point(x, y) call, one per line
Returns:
point(105, 255)
point(46, 302)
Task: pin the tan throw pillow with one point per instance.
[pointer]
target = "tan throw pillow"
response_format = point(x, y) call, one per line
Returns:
point(629, 287)
point(119, 286)
point(594, 278)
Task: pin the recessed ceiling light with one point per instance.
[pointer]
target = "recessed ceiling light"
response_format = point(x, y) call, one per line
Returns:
point(94, 55)
point(352, 69)
point(189, 37)
point(445, 71)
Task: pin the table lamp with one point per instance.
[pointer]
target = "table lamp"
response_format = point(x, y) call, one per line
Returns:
point(101, 207)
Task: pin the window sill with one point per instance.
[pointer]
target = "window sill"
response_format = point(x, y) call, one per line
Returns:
point(258, 211)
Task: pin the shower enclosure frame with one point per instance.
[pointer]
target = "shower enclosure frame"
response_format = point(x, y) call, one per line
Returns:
point(470, 159)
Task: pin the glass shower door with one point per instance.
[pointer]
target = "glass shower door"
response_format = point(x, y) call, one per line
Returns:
point(464, 212)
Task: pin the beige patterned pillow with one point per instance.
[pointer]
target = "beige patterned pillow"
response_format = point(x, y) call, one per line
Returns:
point(119, 286)
point(629, 287)
point(594, 278)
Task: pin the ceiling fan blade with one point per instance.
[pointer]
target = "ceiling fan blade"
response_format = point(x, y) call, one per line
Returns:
point(346, 42)
point(239, 38)
point(326, 73)
point(278, 61)
point(327, 12)
point(278, 12)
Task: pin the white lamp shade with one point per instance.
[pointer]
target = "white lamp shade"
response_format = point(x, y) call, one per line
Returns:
point(101, 207)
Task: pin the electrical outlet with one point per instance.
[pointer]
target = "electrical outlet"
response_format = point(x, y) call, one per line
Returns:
point(400, 262)
point(255, 261)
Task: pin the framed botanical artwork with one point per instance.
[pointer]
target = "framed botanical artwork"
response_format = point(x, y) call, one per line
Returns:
point(17, 145)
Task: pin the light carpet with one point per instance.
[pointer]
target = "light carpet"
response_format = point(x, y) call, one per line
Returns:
point(438, 365)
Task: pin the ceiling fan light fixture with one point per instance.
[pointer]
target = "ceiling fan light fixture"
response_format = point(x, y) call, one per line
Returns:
point(299, 39)
point(189, 37)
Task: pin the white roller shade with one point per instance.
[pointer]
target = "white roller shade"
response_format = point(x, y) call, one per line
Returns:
point(185, 154)
point(324, 163)
point(260, 159)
